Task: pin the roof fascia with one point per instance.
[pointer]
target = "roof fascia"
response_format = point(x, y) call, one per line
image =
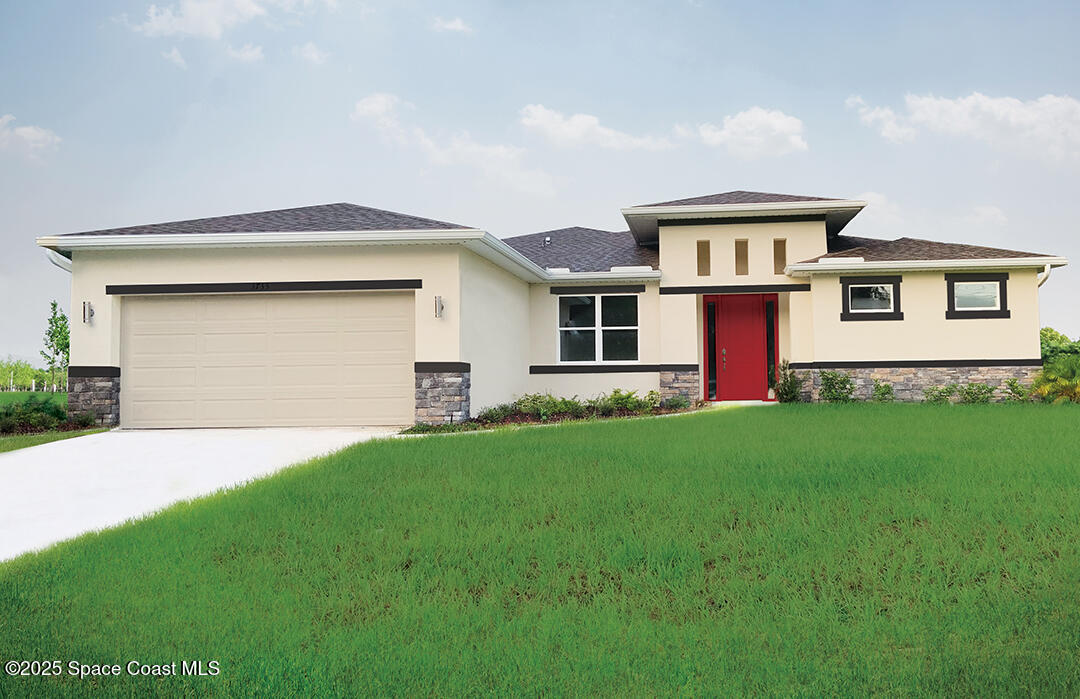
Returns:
point(835, 265)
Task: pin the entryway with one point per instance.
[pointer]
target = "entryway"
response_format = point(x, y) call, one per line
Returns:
point(741, 349)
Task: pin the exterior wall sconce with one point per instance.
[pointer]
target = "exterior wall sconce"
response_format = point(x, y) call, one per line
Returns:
point(438, 307)
point(87, 312)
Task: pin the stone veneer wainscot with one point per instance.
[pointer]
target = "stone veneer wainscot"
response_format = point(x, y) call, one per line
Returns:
point(909, 382)
point(95, 390)
point(442, 396)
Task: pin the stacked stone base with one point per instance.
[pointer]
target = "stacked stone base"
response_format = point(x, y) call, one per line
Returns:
point(908, 383)
point(99, 395)
point(442, 397)
point(685, 383)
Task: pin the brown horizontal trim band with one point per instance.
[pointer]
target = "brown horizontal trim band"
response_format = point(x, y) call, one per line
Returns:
point(976, 277)
point(263, 287)
point(798, 218)
point(870, 280)
point(916, 363)
point(608, 368)
point(735, 289)
point(888, 315)
point(93, 372)
point(441, 367)
point(960, 315)
point(611, 289)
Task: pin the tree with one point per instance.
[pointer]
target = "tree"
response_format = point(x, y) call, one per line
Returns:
point(1055, 344)
point(57, 342)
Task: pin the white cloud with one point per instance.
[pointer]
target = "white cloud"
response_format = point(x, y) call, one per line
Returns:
point(583, 129)
point(1048, 126)
point(756, 133)
point(500, 163)
point(211, 18)
point(311, 53)
point(456, 24)
point(248, 53)
point(28, 140)
point(175, 58)
point(883, 118)
point(986, 215)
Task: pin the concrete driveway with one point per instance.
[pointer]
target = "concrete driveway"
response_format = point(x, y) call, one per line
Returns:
point(59, 490)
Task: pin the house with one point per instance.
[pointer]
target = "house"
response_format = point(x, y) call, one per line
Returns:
point(343, 315)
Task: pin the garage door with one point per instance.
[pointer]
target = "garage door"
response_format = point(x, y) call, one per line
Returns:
point(267, 360)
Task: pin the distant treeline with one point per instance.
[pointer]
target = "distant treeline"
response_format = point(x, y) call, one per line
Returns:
point(17, 375)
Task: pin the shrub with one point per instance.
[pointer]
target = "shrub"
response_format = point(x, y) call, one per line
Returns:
point(1055, 344)
point(837, 387)
point(1059, 381)
point(679, 402)
point(883, 392)
point(1015, 392)
point(976, 393)
point(31, 415)
point(450, 427)
point(619, 401)
point(939, 395)
point(496, 413)
point(788, 384)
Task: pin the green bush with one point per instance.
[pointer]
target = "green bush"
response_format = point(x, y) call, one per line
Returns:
point(1015, 392)
point(619, 401)
point(679, 402)
point(837, 387)
point(1059, 381)
point(939, 395)
point(451, 427)
point(1055, 345)
point(544, 406)
point(883, 392)
point(976, 393)
point(496, 413)
point(788, 384)
point(32, 415)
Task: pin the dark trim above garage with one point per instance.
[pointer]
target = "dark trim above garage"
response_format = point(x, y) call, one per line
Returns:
point(610, 289)
point(915, 363)
point(442, 367)
point(93, 372)
point(799, 218)
point(264, 287)
point(735, 289)
point(608, 368)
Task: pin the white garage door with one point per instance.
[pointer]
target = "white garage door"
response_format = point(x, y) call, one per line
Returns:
point(267, 360)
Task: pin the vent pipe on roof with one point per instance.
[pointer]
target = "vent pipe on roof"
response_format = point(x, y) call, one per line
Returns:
point(547, 240)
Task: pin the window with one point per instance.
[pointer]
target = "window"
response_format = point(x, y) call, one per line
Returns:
point(598, 328)
point(976, 296)
point(779, 255)
point(742, 263)
point(870, 298)
point(704, 263)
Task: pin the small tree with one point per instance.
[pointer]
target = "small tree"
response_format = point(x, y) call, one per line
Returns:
point(57, 342)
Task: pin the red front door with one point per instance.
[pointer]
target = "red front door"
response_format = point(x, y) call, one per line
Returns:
point(740, 345)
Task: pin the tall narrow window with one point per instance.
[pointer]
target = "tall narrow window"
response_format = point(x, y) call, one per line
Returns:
point(704, 263)
point(770, 342)
point(742, 264)
point(710, 336)
point(779, 255)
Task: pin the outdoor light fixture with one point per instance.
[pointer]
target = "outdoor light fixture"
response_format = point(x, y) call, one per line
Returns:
point(438, 306)
point(87, 311)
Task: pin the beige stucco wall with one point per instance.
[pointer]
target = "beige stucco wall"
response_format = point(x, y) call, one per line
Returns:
point(678, 251)
point(98, 344)
point(494, 331)
point(925, 333)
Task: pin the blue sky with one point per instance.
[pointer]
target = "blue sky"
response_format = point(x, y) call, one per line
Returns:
point(957, 123)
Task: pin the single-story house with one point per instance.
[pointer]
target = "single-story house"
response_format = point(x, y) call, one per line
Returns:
point(348, 315)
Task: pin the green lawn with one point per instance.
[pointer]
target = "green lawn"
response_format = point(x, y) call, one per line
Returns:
point(8, 397)
point(21, 441)
point(793, 550)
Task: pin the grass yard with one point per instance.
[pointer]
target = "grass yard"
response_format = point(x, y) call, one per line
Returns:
point(8, 397)
point(21, 441)
point(803, 549)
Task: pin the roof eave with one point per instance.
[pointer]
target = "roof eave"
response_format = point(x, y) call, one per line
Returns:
point(642, 220)
point(835, 265)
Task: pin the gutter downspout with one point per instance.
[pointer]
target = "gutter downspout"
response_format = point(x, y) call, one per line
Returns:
point(58, 260)
point(1044, 276)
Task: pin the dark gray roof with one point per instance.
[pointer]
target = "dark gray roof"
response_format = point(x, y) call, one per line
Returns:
point(839, 243)
point(739, 197)
point(584, 249)
point(325, 217)
point(904, 249)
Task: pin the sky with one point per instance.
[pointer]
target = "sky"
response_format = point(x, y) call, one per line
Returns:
point(957, 122)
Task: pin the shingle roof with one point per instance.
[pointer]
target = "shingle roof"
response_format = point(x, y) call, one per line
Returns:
point(325, 217)
point(905, 249)
point(584, 249)
point(739, 197)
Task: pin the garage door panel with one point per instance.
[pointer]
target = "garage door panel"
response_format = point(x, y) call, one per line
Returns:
point(290, 359)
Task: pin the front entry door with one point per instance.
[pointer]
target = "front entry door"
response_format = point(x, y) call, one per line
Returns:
point(740, 346)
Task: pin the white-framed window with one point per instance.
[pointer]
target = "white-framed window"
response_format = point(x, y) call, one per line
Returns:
point(870, 298)
point(977, 296)
point(598, 328)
